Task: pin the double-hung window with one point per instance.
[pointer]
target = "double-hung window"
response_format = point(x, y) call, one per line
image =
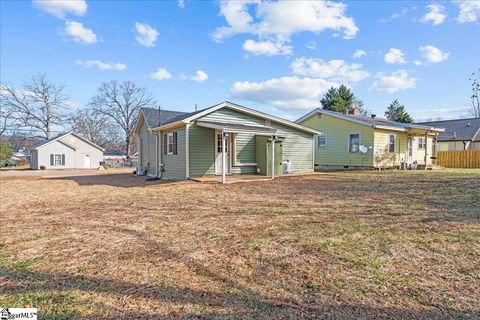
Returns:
point(170, 143)
point(391, 143)
point(422, 143)
point(322, 141)
point(353, 142)
point(57, 160)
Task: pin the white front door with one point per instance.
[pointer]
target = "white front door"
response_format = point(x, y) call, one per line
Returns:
point(86, 161)
point(218, 153)
point(410, 150)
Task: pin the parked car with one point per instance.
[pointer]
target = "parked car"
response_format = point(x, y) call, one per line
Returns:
point(10, 164)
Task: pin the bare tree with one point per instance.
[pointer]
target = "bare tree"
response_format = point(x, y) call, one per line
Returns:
point(6, 119)
point(39, 105)
point(359, 107)
point(97, 127)
point(121, 103)
point(90, 125)
point(475, 109)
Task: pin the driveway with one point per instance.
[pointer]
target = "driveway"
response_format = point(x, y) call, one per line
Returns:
point(60, 172)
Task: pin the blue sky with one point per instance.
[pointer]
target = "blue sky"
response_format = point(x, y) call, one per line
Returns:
point(278, 57)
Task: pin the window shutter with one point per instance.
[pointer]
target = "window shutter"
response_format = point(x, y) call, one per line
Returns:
point(51, 159)
point(165, 151)
point(175, 142)
point(63, 159)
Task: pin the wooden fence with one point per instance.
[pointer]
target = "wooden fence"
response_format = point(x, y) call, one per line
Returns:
point(459, 159)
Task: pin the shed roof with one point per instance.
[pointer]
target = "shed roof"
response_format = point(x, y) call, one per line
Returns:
point(458, 129)
point(61, 135)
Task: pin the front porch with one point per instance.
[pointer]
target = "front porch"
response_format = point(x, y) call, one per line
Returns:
point(240, 152)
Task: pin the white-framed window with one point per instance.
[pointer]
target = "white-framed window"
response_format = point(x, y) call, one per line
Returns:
point(422, 143)
point(57, 160)
point(322, 141)
point(391, 142)
point(219, 143)
point(170, 143)
point(353, 142)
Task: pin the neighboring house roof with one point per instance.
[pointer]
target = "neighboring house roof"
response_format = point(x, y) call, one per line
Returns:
point(458, 129)
point(379, 123)
point(59, 139)
point(113, 153)
point(185, 118)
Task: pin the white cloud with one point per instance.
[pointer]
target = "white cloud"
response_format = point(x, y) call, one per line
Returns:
point(417, 62)
point(358, 54)
point(268, 48)
point(436, 14)
point(393, 82)
point(396, 15)
point(276, 21)
point(146, 35)
point(433, 54)
point(199, 76)
point(283, 93)
point(337, 70)
point(181, 3)
point(79, 33)
point(469, 11)
point(160, 74)
point(101, 65)
point(311, 45)
point(60, 8)
point(395, 56)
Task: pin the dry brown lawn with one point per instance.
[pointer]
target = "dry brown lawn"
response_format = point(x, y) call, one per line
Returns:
point(368, 245)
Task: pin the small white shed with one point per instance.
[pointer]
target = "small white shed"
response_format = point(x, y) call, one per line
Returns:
point(66, 151)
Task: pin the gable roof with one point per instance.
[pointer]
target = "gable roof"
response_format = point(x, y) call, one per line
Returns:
point(458, 129)
point(189, 117)
point(58, 138)
point(377, 123)
point(155, 117)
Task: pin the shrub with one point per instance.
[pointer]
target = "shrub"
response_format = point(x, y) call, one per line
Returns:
point(42, 167)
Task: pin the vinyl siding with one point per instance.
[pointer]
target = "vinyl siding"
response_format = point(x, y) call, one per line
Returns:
point(244, 149)
point(336, 153)
point(382, 157)
point(202, 151)
point(174, 164)
point(147, 148)
point(74, 159)
point(419, 154)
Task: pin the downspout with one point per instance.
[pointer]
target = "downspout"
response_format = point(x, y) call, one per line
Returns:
point(156, 155)
point(273, 157)
point(187, 151)
point(223, 157)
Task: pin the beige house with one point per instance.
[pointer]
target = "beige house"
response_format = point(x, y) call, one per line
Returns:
point(66, 151)
point(349, 141)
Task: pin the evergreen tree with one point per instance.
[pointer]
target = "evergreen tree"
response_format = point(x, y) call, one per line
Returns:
point(397, 112)
point(338, 99)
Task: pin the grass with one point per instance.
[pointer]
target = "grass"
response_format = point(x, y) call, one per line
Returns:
point(333, 245)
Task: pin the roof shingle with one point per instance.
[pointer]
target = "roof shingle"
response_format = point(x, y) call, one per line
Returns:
point(459, 129)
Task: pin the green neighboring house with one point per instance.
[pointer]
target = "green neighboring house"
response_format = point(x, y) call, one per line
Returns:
point(221, 140)
point(350, 140)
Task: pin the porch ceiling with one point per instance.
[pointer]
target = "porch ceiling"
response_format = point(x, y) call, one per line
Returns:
point(237, 128)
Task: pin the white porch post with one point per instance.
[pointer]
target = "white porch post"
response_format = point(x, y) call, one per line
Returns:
point(224, 158)
point(273, 157)
point(426, 149)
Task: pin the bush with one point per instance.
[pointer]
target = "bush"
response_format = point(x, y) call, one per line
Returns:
point(6, 151)
point(42, 167)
